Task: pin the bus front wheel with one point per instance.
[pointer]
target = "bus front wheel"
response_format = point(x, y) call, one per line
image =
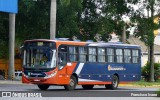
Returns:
point(72, 84)
point(114, 84)
point(43, 86)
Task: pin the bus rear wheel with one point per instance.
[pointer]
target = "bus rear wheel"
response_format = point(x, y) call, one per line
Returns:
point(72, 84)
point(87, 87)
point(43, 86)
point(114, 84)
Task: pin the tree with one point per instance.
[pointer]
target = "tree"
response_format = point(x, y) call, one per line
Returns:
point(112, 14)
point(87, 18)
point(68, 18)
point(146, 28)
point(32, 20)
point(4, 30)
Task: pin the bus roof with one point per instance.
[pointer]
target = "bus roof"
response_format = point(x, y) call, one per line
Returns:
point(115, 45)
point(98, 44)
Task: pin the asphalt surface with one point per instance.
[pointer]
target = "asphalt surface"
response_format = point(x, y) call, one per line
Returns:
point(16, 87)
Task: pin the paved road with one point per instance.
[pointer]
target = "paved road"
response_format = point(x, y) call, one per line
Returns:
point(58, 92)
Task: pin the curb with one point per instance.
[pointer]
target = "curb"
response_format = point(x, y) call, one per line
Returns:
point(131, 85)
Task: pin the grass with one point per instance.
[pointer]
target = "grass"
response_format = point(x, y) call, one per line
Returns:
point(144, 83)
point(158, 93)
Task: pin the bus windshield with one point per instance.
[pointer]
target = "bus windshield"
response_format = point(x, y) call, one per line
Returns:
point(39, 58)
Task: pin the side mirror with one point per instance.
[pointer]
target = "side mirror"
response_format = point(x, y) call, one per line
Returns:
point(21, 51)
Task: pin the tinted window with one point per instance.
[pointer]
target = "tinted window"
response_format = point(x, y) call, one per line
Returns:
point(73, 53)
point(127, 55)
point(62, 56)
point(92, 54)
point(110, 55)
point(101, 55)
point(119, 55)
point(82, 54)
point(135, 56)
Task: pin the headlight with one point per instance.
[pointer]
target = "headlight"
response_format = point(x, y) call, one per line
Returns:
point(51, 75)
point(24, 75)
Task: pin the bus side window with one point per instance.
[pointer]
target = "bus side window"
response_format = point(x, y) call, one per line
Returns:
point(92, 53)
point(62, 56)
point(119, 55)
point(135, 56)
point(127, 55)
point(73, 53)
point(101, 55)
point(82, 54)
point(110, 55)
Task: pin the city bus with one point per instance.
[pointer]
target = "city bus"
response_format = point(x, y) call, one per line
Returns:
point(71, 63)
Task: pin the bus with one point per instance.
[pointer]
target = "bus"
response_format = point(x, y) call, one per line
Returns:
point(71, 63)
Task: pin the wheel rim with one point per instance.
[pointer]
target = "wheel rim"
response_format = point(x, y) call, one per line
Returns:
point(115, 81)
point(72, 83)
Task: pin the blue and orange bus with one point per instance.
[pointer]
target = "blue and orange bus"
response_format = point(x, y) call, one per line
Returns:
point(71, 63)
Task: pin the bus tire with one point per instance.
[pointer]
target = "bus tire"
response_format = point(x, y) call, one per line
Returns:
point(43, 86)
point(72, 84)
point(114, 84)
point(87, 87)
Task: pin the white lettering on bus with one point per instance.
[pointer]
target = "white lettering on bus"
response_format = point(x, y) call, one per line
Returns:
point(115, 68)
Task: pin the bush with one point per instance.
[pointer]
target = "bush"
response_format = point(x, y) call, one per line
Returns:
point(158, 93)
point(146, 71)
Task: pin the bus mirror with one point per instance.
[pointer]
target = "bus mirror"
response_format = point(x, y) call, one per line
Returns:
point(21, 51)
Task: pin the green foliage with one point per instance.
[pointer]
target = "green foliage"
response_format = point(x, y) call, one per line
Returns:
point(146, 71)
point(81, 18)
point(4, 30)
point(86, 18)
point(32, 20)
point(144, 83)
point(65, 2)
point(68, 16)
point(113, 11)
point(158, 93)
point(146, 27)
point(145, 30)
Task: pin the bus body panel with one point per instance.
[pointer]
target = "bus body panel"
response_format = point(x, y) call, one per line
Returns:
point(89, 72)
point(100, 73)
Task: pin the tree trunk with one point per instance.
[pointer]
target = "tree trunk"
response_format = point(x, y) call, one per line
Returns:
point(124, 34)
point(152, 63)
point(152, 2)
point(149, 54)
point(53, 19)
point(11, 73)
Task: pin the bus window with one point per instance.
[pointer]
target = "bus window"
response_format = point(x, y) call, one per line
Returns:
point(127, 55)
point(40, 57)
point(73, 54)
point(82, 54)
point(101, 55)
point(119, 55)
point(110, 55)
point(92, 54)
point(135, 56)
point(62, 56)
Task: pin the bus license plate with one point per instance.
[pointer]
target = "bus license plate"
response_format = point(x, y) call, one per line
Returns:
point(36, 80)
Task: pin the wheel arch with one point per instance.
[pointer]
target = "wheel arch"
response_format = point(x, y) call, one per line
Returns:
point(75, 75)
